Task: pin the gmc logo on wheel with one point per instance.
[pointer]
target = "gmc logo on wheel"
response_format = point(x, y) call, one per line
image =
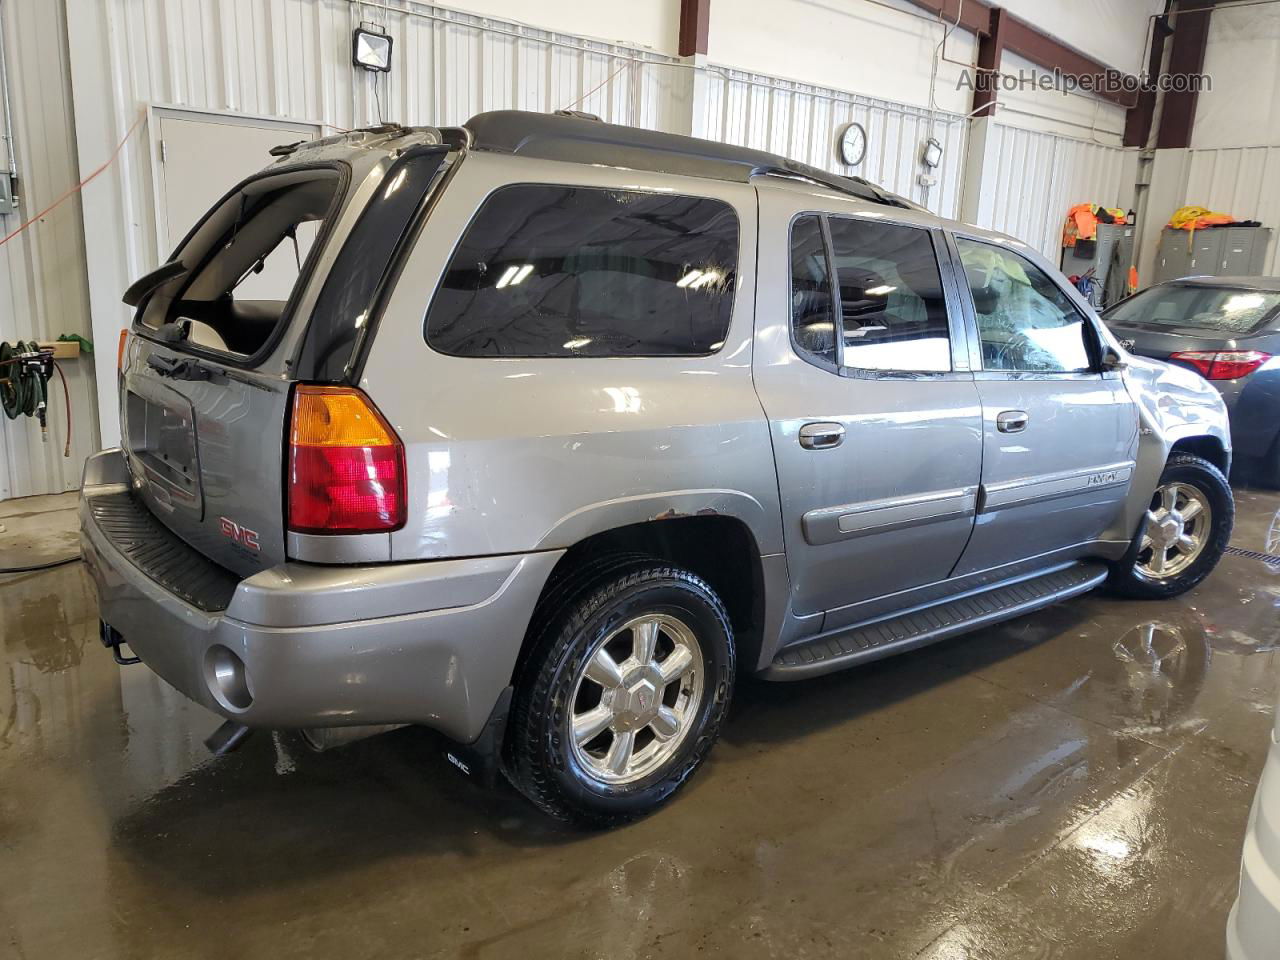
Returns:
point(238, 534)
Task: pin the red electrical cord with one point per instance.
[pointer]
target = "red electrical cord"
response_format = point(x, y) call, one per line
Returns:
point(66, 402)
point(79, 186)
point(67, 194)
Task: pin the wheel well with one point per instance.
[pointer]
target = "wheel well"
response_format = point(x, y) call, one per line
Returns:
point(1208, 448)
point(721, 550)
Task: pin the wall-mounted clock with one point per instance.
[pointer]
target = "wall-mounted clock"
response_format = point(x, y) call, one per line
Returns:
point(852, 144)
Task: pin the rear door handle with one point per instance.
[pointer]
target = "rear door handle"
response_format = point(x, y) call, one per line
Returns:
point(1012, 421)
point(821, 436)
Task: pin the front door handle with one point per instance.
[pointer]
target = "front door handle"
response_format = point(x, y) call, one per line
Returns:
point(1012, 421)
point(821, 436)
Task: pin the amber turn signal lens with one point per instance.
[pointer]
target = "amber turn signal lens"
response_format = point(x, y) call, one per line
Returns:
point(337, 417)
point(346, 465)
point(124, 341)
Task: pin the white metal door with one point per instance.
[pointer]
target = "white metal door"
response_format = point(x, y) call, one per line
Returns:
point(199, 157)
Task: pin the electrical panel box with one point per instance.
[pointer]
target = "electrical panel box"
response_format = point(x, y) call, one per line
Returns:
point(1212, 252)
point(8, 198)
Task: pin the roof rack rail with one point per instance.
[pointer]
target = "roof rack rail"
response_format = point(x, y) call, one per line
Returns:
point(581, 140)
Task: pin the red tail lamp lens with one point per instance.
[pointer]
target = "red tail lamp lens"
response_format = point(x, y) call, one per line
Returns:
point(1223, 364)
point(346, 464)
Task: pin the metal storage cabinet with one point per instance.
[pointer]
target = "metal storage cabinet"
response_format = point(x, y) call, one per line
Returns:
point(1212, 252)
point(1173, 258)
point(1244, 251)
point(1110, 261)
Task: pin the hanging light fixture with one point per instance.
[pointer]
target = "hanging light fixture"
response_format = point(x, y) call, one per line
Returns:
point(371, 49)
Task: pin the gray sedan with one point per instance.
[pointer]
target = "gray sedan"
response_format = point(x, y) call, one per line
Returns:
point(1228, 330)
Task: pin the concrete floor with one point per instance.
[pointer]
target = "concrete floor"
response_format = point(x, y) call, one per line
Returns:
point(1071, 784)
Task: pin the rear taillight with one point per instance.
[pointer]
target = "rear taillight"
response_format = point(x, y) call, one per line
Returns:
point(346, 464)
point(1223, 364)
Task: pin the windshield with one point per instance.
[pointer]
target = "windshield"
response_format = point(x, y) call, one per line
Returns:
point(1234, 311)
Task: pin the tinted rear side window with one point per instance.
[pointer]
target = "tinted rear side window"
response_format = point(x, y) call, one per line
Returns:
point(558, 271)
point(812, 320)
point(894, 315)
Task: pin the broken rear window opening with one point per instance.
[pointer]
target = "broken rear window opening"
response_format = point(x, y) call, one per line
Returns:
point(245, 263)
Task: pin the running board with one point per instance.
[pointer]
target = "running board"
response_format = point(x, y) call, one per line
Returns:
point(880, 638)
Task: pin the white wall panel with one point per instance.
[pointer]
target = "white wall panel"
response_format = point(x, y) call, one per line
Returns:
point(42, 270)
point(291, 59)
point(801, 121)
point(1031, 179)
point(653, 24)
point(873, 48)
point(1241, 106)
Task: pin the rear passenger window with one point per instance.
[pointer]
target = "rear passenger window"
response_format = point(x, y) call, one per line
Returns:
point(892, 309)
point(813, 326)
point(558, 271)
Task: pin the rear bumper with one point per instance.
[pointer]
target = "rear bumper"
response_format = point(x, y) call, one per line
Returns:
point(305, 645)
point(1253, 928)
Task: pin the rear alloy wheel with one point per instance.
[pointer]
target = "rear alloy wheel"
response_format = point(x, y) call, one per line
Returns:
point(1187, 526)
point(622, 696)
point(636, 699)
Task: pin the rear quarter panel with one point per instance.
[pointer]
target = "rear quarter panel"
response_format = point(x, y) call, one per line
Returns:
point(510, 455)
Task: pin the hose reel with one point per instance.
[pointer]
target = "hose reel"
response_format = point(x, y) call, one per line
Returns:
point(25, 371)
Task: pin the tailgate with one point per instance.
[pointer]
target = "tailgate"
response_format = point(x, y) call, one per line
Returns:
point(222, 335)
point(205, 390)
point(207, 454)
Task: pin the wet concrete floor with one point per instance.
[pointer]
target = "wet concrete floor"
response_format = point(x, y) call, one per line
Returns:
point(1071, 784)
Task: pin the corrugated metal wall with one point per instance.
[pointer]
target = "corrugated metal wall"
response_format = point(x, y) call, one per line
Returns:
point(42, 270)
point(1031, 179)
point(292, 59)
point(802, 122)
point(1241, 181)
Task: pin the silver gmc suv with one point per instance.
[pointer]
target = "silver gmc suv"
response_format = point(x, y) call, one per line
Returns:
point(538, 431)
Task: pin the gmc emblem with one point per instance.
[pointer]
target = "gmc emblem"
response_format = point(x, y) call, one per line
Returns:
point(238, 534)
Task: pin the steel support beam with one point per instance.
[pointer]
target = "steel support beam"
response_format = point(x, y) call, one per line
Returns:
point(990, 49)
point(1137, 122)
point(1033, 44)
point(695, 23)
point(1178, 109)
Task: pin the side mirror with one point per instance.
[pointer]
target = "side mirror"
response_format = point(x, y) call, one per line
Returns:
point(1111, 358)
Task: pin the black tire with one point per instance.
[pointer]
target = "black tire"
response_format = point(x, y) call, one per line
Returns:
point(540, 762)
point(1127, 577)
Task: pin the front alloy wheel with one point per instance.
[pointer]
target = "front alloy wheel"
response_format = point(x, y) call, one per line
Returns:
point(1185, 530)
point(1177, 530)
